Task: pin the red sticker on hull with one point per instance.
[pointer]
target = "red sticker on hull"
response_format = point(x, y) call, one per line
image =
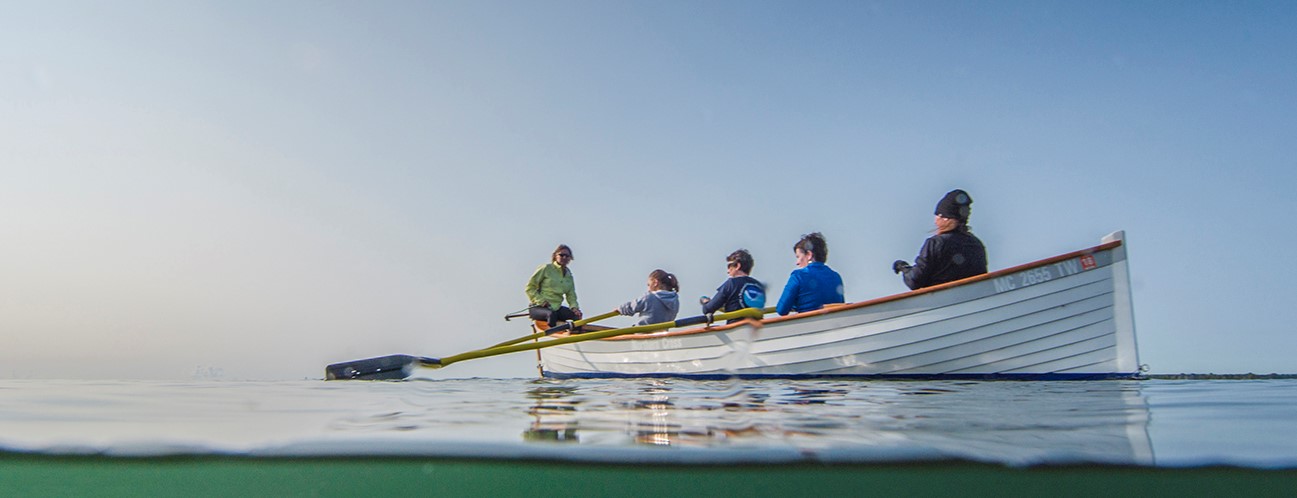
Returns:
point(1088, 263)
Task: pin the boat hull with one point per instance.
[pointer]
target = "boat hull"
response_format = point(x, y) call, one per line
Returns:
point(1062, 318)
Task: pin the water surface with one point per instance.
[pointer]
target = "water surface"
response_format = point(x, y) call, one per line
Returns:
point(1149, 423)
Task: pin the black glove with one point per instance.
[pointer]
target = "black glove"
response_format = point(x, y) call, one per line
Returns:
point(900, 266)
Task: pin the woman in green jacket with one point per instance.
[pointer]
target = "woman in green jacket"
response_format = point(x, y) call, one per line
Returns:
point(549, 286)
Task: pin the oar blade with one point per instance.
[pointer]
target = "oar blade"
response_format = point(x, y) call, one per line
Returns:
point(393, 367)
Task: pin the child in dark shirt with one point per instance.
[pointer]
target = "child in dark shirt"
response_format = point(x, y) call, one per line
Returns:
point(740, 290)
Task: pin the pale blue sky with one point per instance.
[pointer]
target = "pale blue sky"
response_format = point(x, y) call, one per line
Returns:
point(257, 189)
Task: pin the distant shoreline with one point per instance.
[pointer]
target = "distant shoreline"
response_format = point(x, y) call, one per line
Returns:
point(1215, 376)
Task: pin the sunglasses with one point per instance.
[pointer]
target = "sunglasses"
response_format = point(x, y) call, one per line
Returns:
point(562, 255)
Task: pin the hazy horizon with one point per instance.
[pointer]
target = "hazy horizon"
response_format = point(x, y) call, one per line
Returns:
point(249, 190)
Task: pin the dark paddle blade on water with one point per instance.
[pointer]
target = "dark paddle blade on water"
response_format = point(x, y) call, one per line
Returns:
point(393, 367)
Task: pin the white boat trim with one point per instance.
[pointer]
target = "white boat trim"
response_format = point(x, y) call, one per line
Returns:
point(1067, 317)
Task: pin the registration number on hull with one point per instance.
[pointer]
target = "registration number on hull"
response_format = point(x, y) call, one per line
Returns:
point(1045, 273)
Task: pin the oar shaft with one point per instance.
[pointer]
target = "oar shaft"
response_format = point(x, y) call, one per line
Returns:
point(510, 342)
point(557, 329)
point(752, 313)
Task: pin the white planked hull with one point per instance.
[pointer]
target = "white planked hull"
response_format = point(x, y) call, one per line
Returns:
point(1068, 317)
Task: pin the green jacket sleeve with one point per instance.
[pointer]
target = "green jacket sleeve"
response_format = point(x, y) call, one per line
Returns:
point(533, 286)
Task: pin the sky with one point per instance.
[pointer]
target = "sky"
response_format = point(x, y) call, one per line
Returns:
point(252, 190)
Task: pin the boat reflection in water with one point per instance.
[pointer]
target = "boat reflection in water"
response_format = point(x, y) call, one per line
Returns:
point(1007, 422)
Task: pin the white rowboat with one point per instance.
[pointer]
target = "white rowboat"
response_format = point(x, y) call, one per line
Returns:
point(1069, 317)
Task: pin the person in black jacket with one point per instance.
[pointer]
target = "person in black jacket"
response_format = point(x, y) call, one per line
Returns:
point(953, 253)
point(740, 290)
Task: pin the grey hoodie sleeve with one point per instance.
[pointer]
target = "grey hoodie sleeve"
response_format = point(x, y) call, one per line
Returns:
point(632, 307)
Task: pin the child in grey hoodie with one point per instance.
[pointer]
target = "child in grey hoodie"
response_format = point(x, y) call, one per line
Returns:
point(660, 304)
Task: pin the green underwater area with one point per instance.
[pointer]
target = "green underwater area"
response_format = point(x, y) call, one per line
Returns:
point(46, 475)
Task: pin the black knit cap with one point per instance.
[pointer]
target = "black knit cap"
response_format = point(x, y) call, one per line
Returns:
point(957, 204)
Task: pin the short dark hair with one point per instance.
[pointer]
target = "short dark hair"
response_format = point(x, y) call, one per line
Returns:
point(814, 244)
point(743, 258)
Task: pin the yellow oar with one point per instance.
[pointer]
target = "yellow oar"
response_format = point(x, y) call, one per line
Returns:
point(752, 313)
point(400, 366)
point(556, 329)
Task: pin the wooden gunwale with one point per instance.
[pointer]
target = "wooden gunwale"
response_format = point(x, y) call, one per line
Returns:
point(861, 304)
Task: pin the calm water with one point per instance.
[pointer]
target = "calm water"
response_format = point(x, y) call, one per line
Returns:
point(1159, 423)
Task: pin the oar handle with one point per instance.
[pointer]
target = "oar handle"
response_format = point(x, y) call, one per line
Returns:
point(752, 313)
